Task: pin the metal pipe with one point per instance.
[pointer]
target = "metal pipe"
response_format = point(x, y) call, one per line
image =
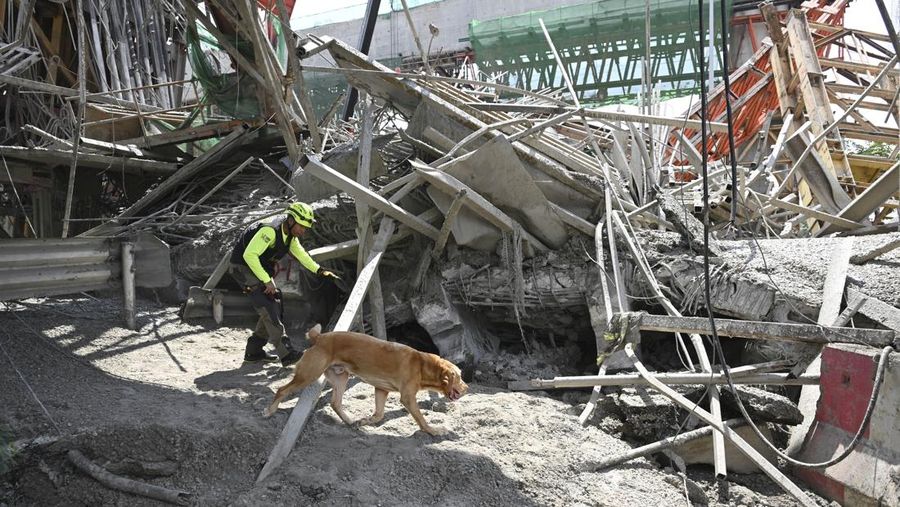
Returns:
point(128, 282)
point(632, 379)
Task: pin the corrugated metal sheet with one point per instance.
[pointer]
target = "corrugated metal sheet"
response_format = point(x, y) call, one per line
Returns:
point(48, 267)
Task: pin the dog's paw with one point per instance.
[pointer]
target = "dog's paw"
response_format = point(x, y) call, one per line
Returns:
point(269, 411)
point(437, 431)
point(367, 421)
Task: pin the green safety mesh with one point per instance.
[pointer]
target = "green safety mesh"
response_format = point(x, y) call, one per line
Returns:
point(325, 88)
point(234, 93)
point(601, 42)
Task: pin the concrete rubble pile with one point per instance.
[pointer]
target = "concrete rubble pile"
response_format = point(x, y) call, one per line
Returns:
point(495, 218)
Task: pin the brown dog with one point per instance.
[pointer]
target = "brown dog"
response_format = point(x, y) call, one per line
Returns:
point(386, 365)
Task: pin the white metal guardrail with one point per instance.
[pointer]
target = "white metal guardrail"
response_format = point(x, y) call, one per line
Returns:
point(51, 267)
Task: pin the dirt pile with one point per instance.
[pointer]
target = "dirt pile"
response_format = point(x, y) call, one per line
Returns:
point(172, 405)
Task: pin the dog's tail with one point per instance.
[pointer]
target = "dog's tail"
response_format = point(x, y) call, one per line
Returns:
point(314, 333)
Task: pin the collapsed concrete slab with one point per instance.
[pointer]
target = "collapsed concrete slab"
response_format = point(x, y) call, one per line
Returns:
point(509, 187)
point(455, 331)
point(763, 405)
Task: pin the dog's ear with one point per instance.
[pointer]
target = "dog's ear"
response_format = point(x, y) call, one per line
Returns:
point(314, 332)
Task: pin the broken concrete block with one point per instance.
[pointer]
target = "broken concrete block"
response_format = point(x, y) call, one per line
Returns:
point(684, 221)
point(454, 330)
point(648, 415)
point(763, 405)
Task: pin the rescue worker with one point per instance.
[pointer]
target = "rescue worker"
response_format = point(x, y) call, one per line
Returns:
point(253, 261)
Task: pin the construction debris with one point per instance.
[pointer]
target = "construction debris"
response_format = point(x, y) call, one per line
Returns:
point(490, 217)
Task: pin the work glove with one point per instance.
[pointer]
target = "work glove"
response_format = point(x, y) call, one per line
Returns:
point(328, 274)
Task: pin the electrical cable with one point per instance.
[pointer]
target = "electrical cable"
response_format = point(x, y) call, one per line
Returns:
point(727, 80)
point(709, 384)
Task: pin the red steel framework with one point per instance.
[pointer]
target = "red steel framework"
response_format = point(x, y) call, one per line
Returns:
point(753, 94)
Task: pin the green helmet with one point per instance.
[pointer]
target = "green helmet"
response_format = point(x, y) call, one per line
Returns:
point(302, 213)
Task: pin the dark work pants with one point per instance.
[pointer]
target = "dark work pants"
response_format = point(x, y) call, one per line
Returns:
point(269, 325)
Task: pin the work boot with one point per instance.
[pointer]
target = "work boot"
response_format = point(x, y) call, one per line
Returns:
point(254, 352)
point(292, 355)
point(291, 358)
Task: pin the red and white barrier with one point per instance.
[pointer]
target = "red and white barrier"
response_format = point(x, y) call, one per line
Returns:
point(870, 475)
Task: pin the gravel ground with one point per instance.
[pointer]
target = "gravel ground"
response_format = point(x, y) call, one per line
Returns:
point(171, 404)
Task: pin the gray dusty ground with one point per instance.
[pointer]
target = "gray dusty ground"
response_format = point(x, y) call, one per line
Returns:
point(171, 404)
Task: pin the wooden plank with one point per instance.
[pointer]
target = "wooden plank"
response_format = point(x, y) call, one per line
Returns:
point(881, 93)
point(868, 201)
point(188, 135)
point(812, 213)
point(271, 71)
point(882, 135)
point(341, 182)
point(310, 395)
point(295, 72)
point(455, 207)
point(778, 58)
point(349, 247)
point(95, 160)
point(821, 27)
point(52, 55)
point(875, 309)
point(833, 289)
point(812, 89)
point(79, 122)
point(773, 22)
point(363, 216)
point(856, 67)
point(787, 123)
point(758, 330)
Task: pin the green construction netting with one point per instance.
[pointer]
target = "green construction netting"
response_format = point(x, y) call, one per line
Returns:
point(601, 42)
point(235, 93)
point(325, 87)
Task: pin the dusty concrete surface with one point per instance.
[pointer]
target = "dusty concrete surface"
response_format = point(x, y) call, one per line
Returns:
point(171, 404)
point(798, 266)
